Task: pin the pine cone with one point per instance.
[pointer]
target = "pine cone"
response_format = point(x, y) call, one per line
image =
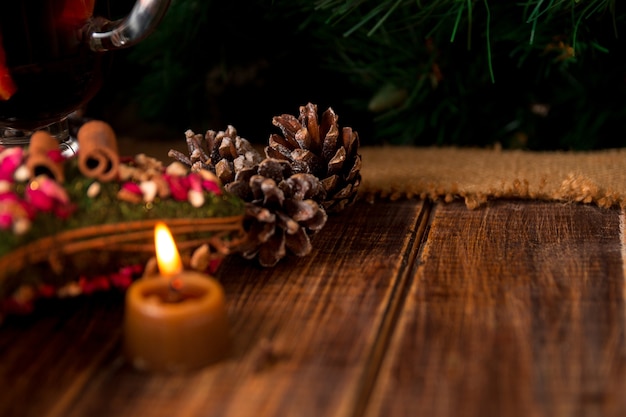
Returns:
point(321, 150)
point(223, 153)
point(282, 208)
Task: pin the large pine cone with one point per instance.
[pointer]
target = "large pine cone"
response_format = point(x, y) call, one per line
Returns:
point(322, 150)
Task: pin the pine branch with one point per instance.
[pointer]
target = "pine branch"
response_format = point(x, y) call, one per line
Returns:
point(428, 69)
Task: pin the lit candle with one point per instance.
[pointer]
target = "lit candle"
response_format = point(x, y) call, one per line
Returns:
point(176, 320)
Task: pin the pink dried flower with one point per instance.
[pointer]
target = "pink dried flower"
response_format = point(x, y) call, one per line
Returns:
point(40, 200)
point(45, 194)
point(56, 155)
point(9, 196)
point(212, 187)
point(195, 181)
point(95, 284)
point(132, 187)
point(132, 270)
point(6, 220)
point(131, 193)
point(179, 186)
point(121, 280)
point(46, 290)
point(12, 209)
point(52, 188)
point(214, 264)
point(10, 160)
point(101, 283)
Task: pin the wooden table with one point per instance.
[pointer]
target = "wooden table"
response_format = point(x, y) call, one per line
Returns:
point(404, 308)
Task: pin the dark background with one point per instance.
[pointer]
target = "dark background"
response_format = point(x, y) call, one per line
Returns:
point(240, 62)
point(227, 63)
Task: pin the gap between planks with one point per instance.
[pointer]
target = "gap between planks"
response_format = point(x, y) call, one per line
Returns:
point(392, 311)
point(622, 238)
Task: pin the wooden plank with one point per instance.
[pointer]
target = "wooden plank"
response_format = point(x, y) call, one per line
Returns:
point(46, 356)
point(304, 332)
point(516, 309)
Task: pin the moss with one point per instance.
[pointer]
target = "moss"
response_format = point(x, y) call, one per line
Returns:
point(105, 208)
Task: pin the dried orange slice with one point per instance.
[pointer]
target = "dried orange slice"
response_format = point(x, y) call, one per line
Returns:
point(7, 85)
point(75, 12)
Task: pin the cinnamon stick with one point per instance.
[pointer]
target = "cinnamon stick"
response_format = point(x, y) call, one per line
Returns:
point(98, 155)
point(41, 160)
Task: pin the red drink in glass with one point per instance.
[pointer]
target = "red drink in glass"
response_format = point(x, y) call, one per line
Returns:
point(53, 69)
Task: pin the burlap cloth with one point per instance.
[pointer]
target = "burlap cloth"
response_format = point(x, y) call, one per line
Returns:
point(477, 175)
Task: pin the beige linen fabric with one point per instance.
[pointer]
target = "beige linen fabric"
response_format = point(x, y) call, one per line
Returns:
point(477, 175)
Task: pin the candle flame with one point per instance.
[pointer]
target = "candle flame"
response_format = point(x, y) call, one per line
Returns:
point(167, 254)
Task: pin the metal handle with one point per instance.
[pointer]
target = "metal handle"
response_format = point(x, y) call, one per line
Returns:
point(105, 35)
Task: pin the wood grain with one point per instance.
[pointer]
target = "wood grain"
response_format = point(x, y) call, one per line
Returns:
point(308, 335)
point(515, 309)
point(47, 357)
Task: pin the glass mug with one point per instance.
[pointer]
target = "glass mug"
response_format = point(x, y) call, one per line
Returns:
point(51, 60)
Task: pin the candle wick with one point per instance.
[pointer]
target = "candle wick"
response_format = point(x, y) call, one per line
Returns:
point(175, 294)
point(176, 284)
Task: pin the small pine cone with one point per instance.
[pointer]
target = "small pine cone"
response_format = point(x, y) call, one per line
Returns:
point(322, 150)
point(281, 210)
point(223, 153)
point(230, 153)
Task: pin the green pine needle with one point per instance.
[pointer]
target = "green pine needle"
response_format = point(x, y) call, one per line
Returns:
point(488, 36)
point(444, 55)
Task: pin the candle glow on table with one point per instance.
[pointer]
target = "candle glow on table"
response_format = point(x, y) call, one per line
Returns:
point(176, 320)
